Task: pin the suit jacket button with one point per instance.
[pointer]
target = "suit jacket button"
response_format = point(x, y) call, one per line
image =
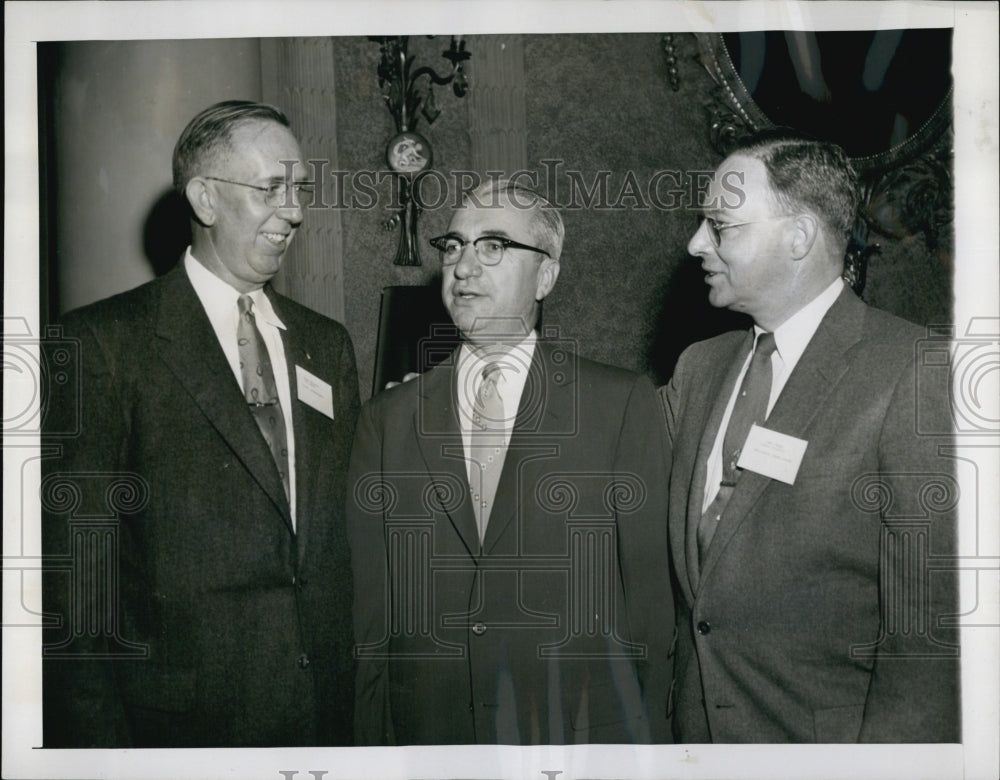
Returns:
point(303, 661)
point(703, 628)
point(479, 629)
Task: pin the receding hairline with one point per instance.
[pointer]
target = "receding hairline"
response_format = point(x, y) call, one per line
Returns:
point(546, 223)
point(209, 134)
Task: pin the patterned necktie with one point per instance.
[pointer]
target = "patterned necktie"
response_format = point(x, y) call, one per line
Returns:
point(750, 408)
point(488, 449)
point(259, 388)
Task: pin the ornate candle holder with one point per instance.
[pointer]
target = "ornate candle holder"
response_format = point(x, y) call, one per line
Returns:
point(408, 95)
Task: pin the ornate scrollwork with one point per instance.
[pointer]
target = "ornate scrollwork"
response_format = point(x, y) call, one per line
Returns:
point(670, 50)
point(409, 94)
point(938, 493)
point(61, 493)
point(557, 493)
point(127, 494)
point(872, 493)
point(915, 197)
point(906, 190)
point(444, 493)
point(374, 493)
point(625, 495)
point(732, 113)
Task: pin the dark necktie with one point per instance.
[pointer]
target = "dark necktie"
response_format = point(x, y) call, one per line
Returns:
point(487, 451)
point(750, 408)
point(260, 389)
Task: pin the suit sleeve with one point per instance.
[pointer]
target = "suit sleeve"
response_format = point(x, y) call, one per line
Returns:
point(672, 396)
point(645, 559)
point(914, 691)
point(367, 495)
point(86, 430)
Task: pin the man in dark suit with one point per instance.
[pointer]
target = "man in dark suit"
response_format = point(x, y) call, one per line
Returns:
point(506, 515)
point(215, 421)
point(811, 536)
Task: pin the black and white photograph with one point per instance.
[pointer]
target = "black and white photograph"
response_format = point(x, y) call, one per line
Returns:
point(504, 390)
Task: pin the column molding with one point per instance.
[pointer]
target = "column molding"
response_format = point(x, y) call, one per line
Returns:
point(297, 75)
point(497, 124)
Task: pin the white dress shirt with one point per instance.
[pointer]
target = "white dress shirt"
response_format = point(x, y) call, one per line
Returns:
point(514, 361)
point(220, 303)
point(791, 339)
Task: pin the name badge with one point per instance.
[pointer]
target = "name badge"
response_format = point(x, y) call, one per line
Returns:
point(775, 455)
point(314, 392)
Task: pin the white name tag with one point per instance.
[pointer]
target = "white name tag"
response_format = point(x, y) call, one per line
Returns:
point(775, 455)
point(314, 391)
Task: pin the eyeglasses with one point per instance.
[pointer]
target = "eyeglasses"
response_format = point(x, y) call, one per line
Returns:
point(276, 194)
point(715, 228)
point(489, 249)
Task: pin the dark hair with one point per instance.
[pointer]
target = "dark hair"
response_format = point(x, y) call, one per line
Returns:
point(805, 173)
point(210, 134)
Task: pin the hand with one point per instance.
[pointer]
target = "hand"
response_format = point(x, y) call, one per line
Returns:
point(406, 378)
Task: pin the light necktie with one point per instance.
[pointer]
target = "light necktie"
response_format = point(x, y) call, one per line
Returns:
point(750, 408)
point(488, 451)
point(260, 389)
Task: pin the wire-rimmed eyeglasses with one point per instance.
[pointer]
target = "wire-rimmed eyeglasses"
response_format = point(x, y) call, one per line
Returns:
point(276, 193)
point(489, 249)
point(715, 227)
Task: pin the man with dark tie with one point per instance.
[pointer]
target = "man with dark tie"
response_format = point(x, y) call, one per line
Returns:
point(216, 610)
point(811, 524)
point(507, 519)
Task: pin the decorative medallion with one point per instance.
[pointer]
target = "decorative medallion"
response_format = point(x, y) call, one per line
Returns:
point(409, 153)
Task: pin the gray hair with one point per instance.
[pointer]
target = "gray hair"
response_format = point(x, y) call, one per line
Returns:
point(547, 224)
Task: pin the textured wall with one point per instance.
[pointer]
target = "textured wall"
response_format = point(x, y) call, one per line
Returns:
point(911, 279)
point(603, 103)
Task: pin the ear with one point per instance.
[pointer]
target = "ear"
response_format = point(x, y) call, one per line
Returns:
point(548, 272)
point(202, 201)
point(805, 230)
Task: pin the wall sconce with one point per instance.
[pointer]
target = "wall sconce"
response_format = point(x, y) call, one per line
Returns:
point(408, 153)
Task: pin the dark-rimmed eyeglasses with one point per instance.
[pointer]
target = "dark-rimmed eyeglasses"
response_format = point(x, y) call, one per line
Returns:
point(489, 249)
point(276, 194)
point(715, 227)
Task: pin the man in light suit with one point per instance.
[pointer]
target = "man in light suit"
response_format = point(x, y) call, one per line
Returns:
point(814, 586)
point(215, 421)
point(517, 591)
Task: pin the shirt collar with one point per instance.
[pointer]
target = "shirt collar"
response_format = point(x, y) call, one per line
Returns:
point(219, 298)
point(793, 335)
point(472, 361)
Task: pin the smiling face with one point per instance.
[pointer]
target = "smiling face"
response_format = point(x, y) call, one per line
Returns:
point(486, 302)
point(752, 270)
point(246, 239)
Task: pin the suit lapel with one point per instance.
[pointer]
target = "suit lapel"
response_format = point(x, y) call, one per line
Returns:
point(308, 451)
point(439, 440)
point(189, 347)
point(726, 371)
point(543, 401)
point(815, 376)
